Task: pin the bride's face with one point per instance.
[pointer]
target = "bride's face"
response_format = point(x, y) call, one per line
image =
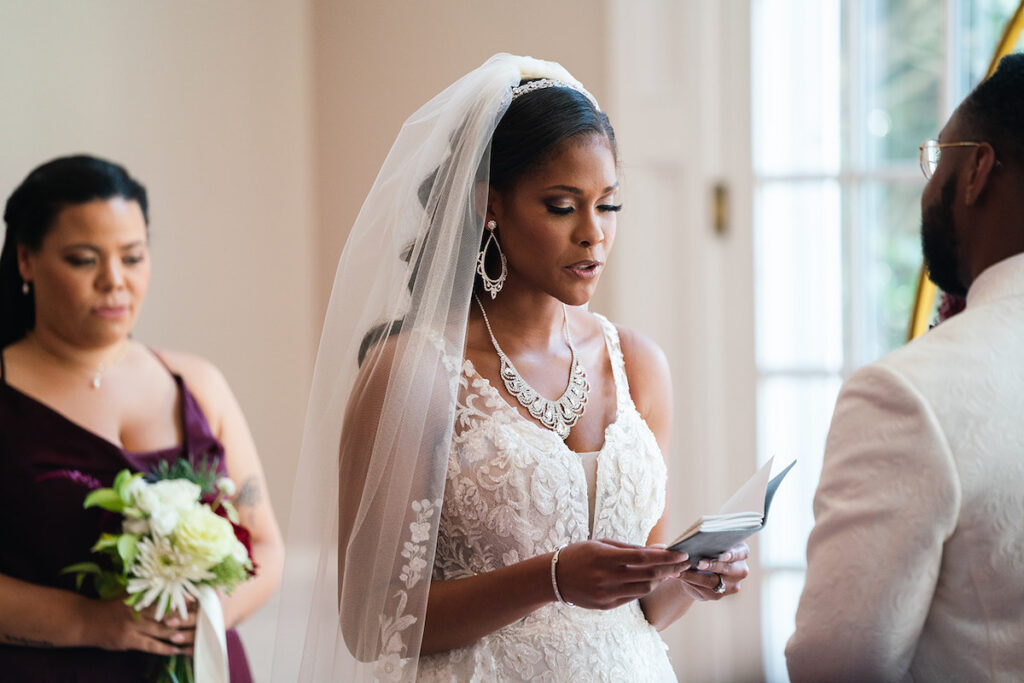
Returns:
point(557, 224)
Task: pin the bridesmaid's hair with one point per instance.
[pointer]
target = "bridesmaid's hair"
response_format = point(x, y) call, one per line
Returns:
point(30, 214)
point(530, 133)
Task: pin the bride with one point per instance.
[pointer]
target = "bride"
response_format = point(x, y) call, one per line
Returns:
point(499, 475)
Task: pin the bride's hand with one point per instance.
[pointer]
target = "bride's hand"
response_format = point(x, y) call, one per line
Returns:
point(700, 583)
point(605, 574)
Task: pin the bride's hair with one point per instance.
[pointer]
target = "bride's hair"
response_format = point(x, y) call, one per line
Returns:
point(533, 127)
point(529, 134)
point(30, 214)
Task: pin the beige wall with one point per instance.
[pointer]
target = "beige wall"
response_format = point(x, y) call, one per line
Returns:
point(208, 105)
point(377, 62)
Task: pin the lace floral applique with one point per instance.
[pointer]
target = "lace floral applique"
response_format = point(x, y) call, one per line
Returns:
point(390, 663)
point(514, 490)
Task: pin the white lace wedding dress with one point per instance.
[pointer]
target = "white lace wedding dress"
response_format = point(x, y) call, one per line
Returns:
point(514, 490)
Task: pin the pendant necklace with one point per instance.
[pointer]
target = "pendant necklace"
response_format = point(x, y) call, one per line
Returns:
point(96, 376)
point(561, 415)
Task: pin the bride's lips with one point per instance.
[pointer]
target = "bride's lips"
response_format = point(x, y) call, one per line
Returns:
point(111, 312)
point(585, 270)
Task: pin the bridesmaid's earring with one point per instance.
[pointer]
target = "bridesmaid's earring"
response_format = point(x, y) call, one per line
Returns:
point(25, 289)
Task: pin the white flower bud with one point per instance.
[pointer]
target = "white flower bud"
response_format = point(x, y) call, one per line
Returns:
point(226, 486)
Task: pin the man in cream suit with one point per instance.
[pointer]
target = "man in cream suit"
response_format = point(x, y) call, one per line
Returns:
point(916, 561)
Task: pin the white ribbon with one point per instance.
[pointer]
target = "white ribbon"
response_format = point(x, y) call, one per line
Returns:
point(210, 658)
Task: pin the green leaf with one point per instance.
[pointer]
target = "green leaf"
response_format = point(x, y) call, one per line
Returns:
point(110, 585)
point(228, 574)
point(106, 542)
point(123, 480)
point(187, 669)
point(204, 474)
point(104, 498)
point(82, 568)
point(133, 598)
point(128, 549)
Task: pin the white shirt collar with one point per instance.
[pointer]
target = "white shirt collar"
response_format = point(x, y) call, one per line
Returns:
point(1000, 280)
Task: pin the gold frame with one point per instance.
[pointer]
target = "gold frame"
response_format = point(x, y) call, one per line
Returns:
point(926, 289)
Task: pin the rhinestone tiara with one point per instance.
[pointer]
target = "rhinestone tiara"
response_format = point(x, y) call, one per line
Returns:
point(542, 83)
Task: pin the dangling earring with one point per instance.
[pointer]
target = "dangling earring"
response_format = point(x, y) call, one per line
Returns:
point(492, 287)
point(25, 288)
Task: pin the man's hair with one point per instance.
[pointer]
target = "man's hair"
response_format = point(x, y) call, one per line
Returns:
point(994, 111)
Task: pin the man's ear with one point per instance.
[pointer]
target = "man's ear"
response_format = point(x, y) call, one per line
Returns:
point(979, 170)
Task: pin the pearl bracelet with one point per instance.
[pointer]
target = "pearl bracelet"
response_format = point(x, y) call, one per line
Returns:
point(554, 576)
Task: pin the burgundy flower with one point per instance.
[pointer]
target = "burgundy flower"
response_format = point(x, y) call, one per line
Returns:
point(949, 306)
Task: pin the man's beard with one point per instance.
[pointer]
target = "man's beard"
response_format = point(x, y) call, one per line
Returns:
point(938, 242)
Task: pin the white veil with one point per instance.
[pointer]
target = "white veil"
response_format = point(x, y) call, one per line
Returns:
point(366, 503)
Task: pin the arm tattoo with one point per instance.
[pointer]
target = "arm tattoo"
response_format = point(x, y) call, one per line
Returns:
point(249, 494)
point(26, 642)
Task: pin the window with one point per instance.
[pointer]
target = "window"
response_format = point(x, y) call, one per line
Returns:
point(843, 92)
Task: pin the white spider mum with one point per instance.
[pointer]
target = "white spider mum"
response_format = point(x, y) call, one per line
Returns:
point(167, 575)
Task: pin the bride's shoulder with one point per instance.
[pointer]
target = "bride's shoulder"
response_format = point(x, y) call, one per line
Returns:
point(639, 351)
point(647, 369)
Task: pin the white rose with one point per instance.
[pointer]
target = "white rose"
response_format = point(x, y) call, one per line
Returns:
point(180, 494)
point(137, 486)
point(206, 537)
point(163, 520)
point(146, 499)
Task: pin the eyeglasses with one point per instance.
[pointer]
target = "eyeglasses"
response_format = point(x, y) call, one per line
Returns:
point(931, 150)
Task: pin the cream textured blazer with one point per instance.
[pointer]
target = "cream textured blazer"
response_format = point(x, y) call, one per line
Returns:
point(916, 560)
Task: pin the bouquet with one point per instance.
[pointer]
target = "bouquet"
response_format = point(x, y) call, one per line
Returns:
point(179, 536)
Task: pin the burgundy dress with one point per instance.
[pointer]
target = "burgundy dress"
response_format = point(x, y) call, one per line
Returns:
point(46, 465)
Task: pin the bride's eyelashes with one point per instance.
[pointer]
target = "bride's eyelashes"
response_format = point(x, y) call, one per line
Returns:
point(563, 210)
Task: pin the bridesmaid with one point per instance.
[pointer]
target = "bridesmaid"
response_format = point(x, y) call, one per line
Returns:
point(79, 401)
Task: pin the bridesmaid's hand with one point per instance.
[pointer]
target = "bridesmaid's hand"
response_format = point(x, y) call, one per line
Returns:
point(731, 566)
point(605, 574)
point(112, 625)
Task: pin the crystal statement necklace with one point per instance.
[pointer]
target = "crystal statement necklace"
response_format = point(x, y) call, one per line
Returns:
point(559, 416)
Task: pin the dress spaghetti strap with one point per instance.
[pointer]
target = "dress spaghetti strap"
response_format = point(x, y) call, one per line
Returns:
point(184, 397)
point(161, 360)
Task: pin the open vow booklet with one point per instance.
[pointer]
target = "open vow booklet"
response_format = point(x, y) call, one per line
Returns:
point(742, 515)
